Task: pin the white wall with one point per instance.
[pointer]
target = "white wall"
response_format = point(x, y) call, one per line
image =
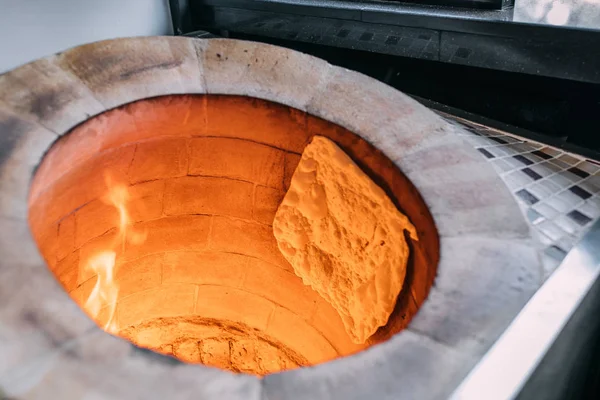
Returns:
point(30, 29)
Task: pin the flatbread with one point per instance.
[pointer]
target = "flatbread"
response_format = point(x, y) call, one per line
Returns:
point(344, 237)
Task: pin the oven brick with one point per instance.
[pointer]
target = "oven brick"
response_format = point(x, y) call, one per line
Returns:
point(381, 372)
point(350, 98)
point(442, 157)
point(475, 206)
point(300, 336)
point(67, 271)
point(470, 305)
point(150, 337)
point(82, 292)
point(252, 239)
point(169, 234)
point(215, 352)
point(66, 237)
point(110, 130)
point(174, 116)
point(237, 159)
point(205, 268)
point(46, 93)
point(187, 351)
point(467, 194)
point(291, 162)
point(139, 275)
point(272, 124)
point(266, 202)
point(158, 159)
point(35, 308)
point(271, 359)
point(261, 71)
point(145, 202)
point(14, 187)
point(165, 349)
point(158, 119)
point(82, 185)
point(22, 146)
point(93, 220)
point(282, 287)
point(244, 355)
point(40, 224)
point(234, 305)
point(104, 316)
point(171, 300)
point(357, 149)
point(83, 143)
point(107, 242)
point(121, 127)
point(330, 325)
point(205, 195)
point(81, 295)
point(22, 142)
point(46, 238)
point(154, 66)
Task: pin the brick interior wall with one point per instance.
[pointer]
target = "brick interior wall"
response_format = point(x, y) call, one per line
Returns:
point(205, 175)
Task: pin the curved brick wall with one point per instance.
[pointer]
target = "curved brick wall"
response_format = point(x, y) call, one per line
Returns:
point(205, 177)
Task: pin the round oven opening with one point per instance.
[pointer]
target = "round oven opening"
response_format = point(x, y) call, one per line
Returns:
point(156, 217)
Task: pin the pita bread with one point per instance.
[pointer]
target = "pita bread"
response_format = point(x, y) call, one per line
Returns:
point(344, 237)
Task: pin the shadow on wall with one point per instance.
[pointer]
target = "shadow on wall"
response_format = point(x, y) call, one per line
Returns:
point(38, 28)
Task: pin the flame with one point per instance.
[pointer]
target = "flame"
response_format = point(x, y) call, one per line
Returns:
point(106, 290)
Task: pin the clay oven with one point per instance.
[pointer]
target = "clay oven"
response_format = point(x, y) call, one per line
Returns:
point(164, 161)
point(156, 218)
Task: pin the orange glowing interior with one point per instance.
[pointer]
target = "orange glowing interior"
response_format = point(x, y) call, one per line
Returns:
point(156, 219)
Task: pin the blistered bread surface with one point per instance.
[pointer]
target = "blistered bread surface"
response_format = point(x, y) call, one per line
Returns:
point(344, 237)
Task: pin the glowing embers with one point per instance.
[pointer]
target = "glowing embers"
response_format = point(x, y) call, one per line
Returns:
point(103, 263)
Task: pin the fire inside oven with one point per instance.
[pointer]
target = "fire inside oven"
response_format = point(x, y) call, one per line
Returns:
point(156, 217)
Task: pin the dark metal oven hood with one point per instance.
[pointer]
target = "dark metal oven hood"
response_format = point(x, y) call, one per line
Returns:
point(527, 38)
point(533, 66)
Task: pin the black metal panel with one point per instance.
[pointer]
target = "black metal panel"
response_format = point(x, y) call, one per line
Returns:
point(502, 23)
point(584, 15)
point(536, 77)
point(401, 41)
point(201, 35)
point(565, 142)
point(571, 55)
point(568, 60)
point(327, 8)
point(180, 16)
point(563, 113)
point(478, 4)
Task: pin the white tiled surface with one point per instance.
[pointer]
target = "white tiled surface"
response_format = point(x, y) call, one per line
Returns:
point(559, 192)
